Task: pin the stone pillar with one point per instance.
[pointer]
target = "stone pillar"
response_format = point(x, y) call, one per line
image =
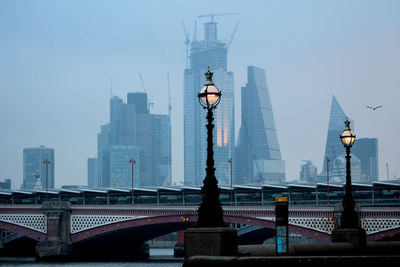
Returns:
point(210, 241)
point(57, 244)
point(356, 236)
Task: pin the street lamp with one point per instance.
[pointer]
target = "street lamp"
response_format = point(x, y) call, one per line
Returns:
point(132, 162)
point(47, 162)
point(349, 218)
point(230, 163)
point(210, 210)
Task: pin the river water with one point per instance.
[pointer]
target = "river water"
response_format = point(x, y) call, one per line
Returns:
point(158, 257)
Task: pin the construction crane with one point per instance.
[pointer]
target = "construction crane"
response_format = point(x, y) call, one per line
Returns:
point(151, 103)
point(232, 35)
point(218, 14)
point(187, 42)
point(142, 81)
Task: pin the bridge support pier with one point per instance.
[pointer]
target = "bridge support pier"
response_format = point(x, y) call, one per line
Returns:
point(213, 241)
point(58, 244)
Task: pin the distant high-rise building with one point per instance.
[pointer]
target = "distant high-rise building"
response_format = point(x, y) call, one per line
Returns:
point(366, 149)
point(133, 132)
point(92, 173)
point(6, 185)
point(34, 165)
point(103, 156)
point(121, 168)
point(334, 146)
point(339, 169)
point(212, 53)
point(258, 153)
point(308, 172)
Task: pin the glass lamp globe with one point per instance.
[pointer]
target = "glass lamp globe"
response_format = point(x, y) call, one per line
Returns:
point(209, 96)
point(347, 137)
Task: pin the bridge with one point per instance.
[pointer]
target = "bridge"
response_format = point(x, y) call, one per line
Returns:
point(59, 227)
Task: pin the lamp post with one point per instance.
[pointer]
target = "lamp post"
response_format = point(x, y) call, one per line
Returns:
point(349, 218)
point(327, 176)
point(230, 163)
point(47, 162)
point(210, 210)
point(132, 162)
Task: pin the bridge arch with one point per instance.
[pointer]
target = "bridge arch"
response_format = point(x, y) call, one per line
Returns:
point(183, 221)
point(22, 230)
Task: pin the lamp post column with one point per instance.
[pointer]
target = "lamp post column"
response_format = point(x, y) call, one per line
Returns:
point(349, 217)
point(210, 210)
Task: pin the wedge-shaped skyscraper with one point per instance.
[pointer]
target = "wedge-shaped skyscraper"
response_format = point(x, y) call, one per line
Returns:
point(334, 146)
point(258, 155)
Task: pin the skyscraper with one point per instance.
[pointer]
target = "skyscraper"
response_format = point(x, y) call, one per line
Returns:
point(92, 173)
point(34, 166)
point(203, 54)
point(334, 146)
point(258, 153)
point(308, 171)
point(366, 149)
point(133, 132)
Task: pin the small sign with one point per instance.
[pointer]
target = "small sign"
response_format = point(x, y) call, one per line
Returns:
point(282, 220)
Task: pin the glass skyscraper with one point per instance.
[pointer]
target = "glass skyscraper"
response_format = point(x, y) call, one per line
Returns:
point(203, 54)
point(334, 146)
point(366, 149)
point(92, 173)
point(33, 164)
point(258, 154)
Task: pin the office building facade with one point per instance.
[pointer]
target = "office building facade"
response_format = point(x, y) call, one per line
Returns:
point(366, 149)
point(34, 166)
point(92, 173)
point(258, 154)
point(134, 133)
point(203, 54)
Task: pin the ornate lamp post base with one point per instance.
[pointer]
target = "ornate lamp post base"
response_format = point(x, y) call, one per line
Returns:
point(355, 236)
point(211, 241)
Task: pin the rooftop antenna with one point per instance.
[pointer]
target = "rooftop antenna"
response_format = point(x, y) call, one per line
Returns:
point(187, 42)
point(111, 87)
point(169, 98)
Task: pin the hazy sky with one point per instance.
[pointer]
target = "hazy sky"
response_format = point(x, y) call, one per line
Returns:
point(57, 59)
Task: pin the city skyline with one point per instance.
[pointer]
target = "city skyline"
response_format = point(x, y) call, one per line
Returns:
point(57, 68)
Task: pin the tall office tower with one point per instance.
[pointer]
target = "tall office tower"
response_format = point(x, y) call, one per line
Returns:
point(366, 149)
point(258, 153)
point(115, 120)
point(203, 54)
point(162, 150)
point(34, 166)
point(92, 173)
point(308, 172)
point(334, 146)
point(103, 156)
point(133, 132)
point(121, 167)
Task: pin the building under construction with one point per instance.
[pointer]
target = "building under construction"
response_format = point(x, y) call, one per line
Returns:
point(209, 52)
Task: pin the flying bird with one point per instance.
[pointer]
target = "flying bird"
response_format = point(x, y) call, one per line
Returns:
point(373, 108)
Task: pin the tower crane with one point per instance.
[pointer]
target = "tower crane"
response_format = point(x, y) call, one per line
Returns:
point(187, 42)
point(142, 81)
point(218, 14)
point(232, 35)
point(151, 103)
